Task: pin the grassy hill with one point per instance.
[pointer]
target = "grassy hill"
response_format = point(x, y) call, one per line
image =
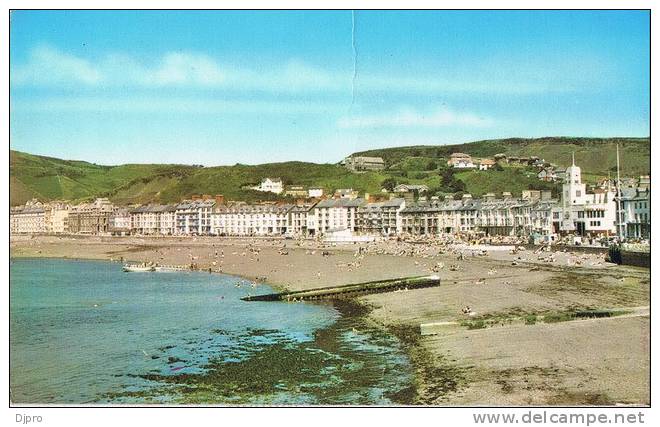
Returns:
point(596, 156)
point(48, 178)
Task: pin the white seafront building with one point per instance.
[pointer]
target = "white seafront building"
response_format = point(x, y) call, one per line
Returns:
point(145, 220)
point(119, 223)
point(489, 216)
point(297, 220)
point(153, 220)
point(585, 214)
point(250, 220)
point(57, 217)
point(28, 219)
point(168, 220)
point(193, 217)
point(36, 217)
point(381, 218)
point(333, 215)
point(190, 217)
point(636, 212)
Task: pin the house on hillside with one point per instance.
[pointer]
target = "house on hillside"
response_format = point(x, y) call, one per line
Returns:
point(485, 164)
point(460, 161)
point(546, 175)
point(411, 192)
point(295, 191)
point(363, 163)
point(408, 188)
point(560, 174)
point(345, 193)
point(270, 185)
point(501, 158)
point(314, 192)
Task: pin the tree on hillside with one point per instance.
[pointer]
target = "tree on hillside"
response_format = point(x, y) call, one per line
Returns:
point(447, 176)
point(388, 184)
point(450, 183)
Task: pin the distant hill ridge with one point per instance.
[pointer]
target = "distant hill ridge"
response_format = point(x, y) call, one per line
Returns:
point(593, 154)
point(49, 178)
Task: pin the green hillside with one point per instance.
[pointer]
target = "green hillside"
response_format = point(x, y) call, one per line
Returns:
point(48, 178)
point(596, 156)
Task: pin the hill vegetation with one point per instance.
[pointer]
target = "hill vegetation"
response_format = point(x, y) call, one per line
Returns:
point(48, 178)
point(596, 156)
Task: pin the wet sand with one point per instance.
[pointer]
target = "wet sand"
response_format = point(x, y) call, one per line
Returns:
point(505, 361)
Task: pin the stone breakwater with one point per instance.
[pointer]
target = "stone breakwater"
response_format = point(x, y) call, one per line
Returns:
point(351, 290)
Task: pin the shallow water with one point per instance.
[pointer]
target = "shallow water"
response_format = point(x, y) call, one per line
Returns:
point(85, 332)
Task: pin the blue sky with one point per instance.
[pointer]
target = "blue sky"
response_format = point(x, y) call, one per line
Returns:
point(219, 87)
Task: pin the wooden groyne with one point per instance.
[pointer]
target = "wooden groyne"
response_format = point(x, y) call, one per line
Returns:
point(352, 290)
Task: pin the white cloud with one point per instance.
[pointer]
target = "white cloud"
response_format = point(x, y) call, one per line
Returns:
point(409, 117)
point(50, 66)
point(169, 104)
point(186, 69)
point(465, 84)
point(47, 66)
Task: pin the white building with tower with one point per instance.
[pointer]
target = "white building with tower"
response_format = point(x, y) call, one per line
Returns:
point(585, 214)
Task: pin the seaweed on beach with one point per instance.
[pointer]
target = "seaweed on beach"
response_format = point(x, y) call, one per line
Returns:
point(344, 364)
point(436, 377)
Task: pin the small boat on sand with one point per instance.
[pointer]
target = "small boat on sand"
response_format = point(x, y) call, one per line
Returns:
point(128, 268)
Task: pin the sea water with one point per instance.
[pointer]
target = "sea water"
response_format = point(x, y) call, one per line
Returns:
point(86, 332)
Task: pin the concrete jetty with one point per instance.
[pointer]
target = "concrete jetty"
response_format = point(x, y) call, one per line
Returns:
point(351, 290)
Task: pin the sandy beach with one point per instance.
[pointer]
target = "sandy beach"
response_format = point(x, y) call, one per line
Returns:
point(503, 353)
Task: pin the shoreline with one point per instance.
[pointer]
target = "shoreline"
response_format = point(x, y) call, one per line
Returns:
point(548, 364)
